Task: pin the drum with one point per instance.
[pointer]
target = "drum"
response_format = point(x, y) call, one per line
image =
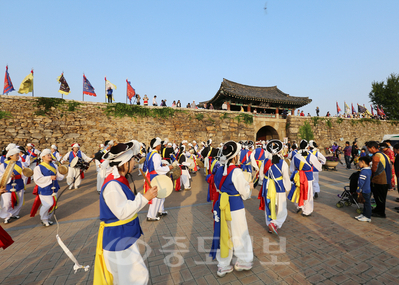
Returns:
point(141, 161)
point(7, 174)
point(200, 163)
point(27, 172)
point(78, 162)
point(164, 184)
point(248, 176)
point(175, 172)
point(192, 164)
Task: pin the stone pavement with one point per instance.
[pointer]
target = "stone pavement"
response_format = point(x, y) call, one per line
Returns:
point(330, 247)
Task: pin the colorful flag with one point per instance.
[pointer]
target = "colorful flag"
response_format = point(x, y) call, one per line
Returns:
point(346, 108)
point(130, 90)
point(379, 111)
point(338, 109)
point(8, 87)
point(27, 84)
point(64, 87)
point(361, 109)
point(107, 86)
point(372, 110)
point(353, 109)
point(382, 111)
point(87, 87)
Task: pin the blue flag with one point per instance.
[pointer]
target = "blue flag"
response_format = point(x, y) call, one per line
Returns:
point(87, 87)
point(8, 87)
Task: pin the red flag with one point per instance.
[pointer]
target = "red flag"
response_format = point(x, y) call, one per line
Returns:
point(130, 90)
point(338, 109)
point(8, 87)
point(378, 111)
point(372, 110)
point(382, 111)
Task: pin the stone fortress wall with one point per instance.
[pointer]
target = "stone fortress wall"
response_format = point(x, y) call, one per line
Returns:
point(87, 124)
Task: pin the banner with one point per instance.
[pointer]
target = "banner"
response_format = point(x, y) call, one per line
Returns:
point(347, 109)
point(27, 84)
point(8, 87)
point(130, 90)
point(87, 87)
point(338, 109)
point(64, 87)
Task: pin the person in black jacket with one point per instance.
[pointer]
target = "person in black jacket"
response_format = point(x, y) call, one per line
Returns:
point(355, 151)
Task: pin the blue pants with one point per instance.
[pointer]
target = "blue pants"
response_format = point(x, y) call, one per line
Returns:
point(347, 161)
point(367, 205)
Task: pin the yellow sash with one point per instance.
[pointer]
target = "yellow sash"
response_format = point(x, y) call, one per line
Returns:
point(49, 167)
point(16, 167)
point(101, 273)
point(271, 195)
point(225, 215)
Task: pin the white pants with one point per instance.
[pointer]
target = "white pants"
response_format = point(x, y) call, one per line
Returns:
point(156, 207)
point(281, 210)
point(184, 179)
point(316, 186)
point(242, 244)
point(100, 181)
point(47, 202)
point(307, 207)
point(126, 266)
point(72, 173)
point(6, 210)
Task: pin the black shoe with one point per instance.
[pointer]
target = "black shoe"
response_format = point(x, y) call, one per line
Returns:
point(303, 215)
point(316, 195)
point(153, 220)
point(299, 210)
point(162, 214)
point(397, 200)
point(376, 215)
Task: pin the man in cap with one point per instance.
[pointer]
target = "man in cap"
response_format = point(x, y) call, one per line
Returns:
point(234, 189)
point(55, 154)
point(12, 200)
point(46, 178)
point(33, 156)
point(153, 166)
point(314, 150)
point(75, 175)
point(276, 181)
point(118, 259)
point(5, 150)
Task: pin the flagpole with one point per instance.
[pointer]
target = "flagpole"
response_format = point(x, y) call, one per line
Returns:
point(33, 86)
point(83, 94)
point(126, 90)
point(105, 88)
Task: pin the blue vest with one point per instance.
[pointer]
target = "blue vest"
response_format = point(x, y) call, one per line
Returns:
point(71, 157)
point(307, 168)
point(47, 191)
point(120, 237)
point(236, 202)
point(257, 154)
point(277, 173)
point(2, 159)
point(20, 182)
point(316, 154)
point(149, 164)
point(245, 163)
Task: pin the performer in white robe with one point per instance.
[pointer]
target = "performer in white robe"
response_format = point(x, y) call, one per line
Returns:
point(118, 259)
point(13, 199)
point(33, 158)
point(46, 178)
point(304, 163)
point(74, 177)
point(276, 181)
point(101, 167)
point(55, 154)
point(234, 189)
point(185, 175)
point(313, 149)
point(153, 166)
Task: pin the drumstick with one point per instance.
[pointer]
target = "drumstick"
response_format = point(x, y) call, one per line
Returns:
point(255, 176)
point(146, 179)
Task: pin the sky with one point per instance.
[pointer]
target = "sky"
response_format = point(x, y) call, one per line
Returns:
point(329, 51)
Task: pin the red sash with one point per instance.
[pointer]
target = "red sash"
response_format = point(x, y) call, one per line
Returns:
point(229, 169)
point(261, 153)
point(36, 203)
point(177, 182)
point(260, 197)
point(146, 186)
point(303, 195)
point(5, 239)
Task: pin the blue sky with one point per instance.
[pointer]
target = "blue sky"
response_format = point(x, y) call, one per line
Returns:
point(326, 50)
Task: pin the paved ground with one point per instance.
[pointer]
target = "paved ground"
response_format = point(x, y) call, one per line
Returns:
point(328, 248)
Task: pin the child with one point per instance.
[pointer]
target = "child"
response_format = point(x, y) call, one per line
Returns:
point(364, 189)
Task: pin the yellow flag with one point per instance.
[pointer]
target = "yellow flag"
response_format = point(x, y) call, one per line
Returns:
point(26, 85)
point(110, 85)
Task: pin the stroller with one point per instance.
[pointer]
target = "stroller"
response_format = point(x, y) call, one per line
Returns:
point(349, 196)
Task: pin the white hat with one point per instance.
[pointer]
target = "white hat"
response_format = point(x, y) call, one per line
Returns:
point(12, 151)
point(30, 144)
point(194, 142)
point(169, 144)
point(75, 145)
point(190, 144)
point(11, 146)
point(45, 152)
point(54, 146)
point(155, 142)
point(102, 145)
point(184, 141)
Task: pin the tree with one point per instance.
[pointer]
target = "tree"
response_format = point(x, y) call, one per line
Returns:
point(387, 95)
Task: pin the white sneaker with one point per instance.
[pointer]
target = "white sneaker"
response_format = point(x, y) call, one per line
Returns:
point(240, 267)
point(139, 173)
point(76, 187)
point(358, 217)
point(46, 224)
point(364, 219)
point(71, 186)
point(6, 221)
point(223, 271)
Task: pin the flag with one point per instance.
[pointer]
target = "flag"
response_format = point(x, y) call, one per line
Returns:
point(87, 88)
point(27, 84)
point(130, 90)
point(347, 109)
point(372, 110)
point(353, 109)
point(8, 87)
point(382, 111)
point(64, 87)
point(361, 109)
point(379, 111)
point(107, 86)
point(338, 109)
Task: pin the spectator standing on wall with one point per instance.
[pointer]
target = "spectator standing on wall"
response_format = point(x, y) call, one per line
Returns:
point(145, 100)
point(302, 114)
point(298, 113)
point(173, 104)
point(328, 114)
point(193, 106)
point(188, 105)
point(224, 106)
point(178, 104)
point(154, 101)
point(211, 107)
point(317, 111)
point(138, 99)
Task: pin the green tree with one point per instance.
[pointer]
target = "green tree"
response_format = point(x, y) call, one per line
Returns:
point(305, 132)
point(387, 95)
